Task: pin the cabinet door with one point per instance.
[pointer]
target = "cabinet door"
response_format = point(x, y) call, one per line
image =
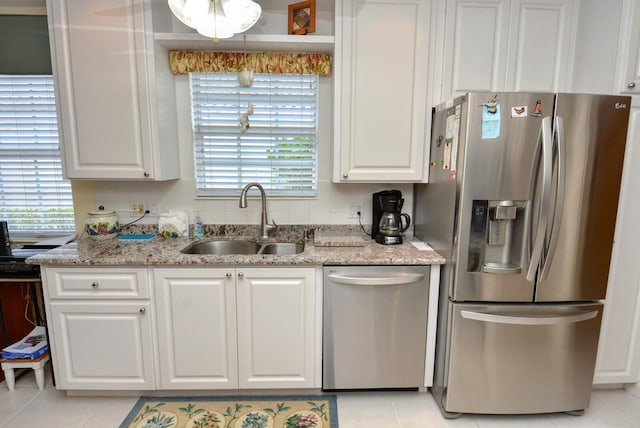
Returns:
point(541, 44)
point(475, 46)
point(381, 90)
point(630, 34)
point(505, 45)
point(196, 328)
point(277, 334)
point(99, 62)
point(102, 345)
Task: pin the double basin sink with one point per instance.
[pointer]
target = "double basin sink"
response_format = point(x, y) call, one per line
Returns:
point(242, 246)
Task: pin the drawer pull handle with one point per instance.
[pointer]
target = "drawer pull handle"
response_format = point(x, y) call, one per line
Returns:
point(229, 275)
point(143, 310)
point(95, 284)
point(240, 274)
point(631, 85)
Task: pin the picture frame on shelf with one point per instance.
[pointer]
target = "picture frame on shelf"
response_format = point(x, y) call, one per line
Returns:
point(302, 17)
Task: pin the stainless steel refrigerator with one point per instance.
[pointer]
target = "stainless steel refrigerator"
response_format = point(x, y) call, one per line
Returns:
point(521, 200)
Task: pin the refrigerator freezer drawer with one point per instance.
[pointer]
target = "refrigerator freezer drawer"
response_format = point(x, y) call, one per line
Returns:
point(524, 358)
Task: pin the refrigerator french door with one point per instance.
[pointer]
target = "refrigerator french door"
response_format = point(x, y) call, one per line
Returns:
point(522, 199)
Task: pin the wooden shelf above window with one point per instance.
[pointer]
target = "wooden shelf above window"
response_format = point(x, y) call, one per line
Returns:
point(255, 42)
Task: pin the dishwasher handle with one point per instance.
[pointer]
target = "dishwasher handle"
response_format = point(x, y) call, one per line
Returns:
point(408, 278)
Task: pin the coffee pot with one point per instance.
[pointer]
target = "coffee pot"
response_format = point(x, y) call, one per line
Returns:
point(388, 227)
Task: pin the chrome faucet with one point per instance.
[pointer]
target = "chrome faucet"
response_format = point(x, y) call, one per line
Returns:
point(265, 227)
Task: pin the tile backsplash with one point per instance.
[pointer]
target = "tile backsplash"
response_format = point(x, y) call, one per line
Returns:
point(331, 206)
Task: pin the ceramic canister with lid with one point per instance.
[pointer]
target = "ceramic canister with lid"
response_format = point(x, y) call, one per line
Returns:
point(102, 224)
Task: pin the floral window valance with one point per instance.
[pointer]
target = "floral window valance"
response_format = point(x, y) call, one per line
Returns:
point(182, 62)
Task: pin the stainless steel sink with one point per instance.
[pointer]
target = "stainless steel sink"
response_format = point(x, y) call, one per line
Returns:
point(282, 248)
point(235, 246)
point(242, 246)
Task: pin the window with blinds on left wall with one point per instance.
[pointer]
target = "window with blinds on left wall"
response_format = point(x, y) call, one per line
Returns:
point(35, 197)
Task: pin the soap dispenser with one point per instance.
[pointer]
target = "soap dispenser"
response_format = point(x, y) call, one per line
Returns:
point(198, 232)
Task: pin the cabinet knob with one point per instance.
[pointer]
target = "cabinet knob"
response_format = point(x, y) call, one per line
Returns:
point(229, 275)
point(146, 174)
point(143, 310)
point(95, 284)
point(345, 175)
point(631, 85)
point(240, 274)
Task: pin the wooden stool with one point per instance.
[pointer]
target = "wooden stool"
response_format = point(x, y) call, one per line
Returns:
point(26, 363)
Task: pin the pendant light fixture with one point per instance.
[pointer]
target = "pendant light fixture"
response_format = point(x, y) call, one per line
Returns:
point(217, 19)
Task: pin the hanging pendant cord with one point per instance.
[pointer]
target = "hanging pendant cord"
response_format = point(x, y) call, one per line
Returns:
point(244, 50)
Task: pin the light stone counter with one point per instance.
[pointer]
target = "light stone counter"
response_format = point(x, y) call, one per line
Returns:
point(166, 252)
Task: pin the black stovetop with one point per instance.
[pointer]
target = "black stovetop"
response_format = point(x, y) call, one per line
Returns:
point(13, 265)
point(24, 251)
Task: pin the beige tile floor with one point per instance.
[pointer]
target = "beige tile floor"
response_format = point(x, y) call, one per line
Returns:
point(27, 407)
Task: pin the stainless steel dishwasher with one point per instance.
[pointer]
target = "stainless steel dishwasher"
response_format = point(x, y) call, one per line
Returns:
point(374, 327)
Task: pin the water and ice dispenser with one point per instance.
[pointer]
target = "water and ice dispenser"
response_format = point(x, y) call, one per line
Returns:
point(497, 236)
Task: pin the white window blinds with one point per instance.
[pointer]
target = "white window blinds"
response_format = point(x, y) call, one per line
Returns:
point(35, 197)
point(278, 150)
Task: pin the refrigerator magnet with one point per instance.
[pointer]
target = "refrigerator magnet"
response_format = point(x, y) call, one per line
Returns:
point(537, 111)
point(490, 122)
point(447, 156)
point(519, 111)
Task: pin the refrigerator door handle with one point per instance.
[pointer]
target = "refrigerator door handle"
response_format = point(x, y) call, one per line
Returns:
point(559, 141)
point(408, 278)
point(548, 320)
point(544, 137)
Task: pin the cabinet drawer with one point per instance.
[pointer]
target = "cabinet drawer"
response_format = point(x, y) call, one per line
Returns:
point(80, 283)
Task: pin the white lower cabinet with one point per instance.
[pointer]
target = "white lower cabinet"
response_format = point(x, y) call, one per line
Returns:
point(100, 328)
point(102, 345)
point(233, 328)
point(277, 336)
point(196, 328)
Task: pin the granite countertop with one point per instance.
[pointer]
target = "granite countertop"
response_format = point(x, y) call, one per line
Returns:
point(331, 246)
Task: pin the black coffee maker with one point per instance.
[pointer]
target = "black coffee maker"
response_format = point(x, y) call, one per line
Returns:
point(386, 226)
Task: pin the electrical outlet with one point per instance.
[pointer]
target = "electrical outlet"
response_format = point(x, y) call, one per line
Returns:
point(354, 210)
point(136, 208)
point(154, 208)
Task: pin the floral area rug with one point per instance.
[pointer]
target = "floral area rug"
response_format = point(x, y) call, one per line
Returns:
point(234, 412)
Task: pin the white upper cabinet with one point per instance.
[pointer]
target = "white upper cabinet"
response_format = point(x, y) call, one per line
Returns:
point(382, 103)
point(506, 45)
point(476, 37)
point(111, 124)
point(630, 34)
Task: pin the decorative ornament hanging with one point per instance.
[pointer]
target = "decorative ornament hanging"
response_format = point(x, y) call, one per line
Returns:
point(245, 77)
point(244, 119)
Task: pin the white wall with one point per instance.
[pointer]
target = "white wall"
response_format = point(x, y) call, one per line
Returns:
point(329, 207)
